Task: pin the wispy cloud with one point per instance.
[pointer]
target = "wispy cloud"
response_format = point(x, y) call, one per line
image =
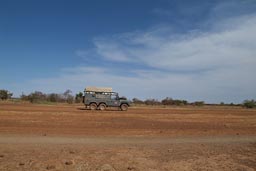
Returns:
point(214, 65)
point(225, 47)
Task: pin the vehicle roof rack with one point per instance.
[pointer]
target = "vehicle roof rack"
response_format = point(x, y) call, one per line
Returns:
point(99, 89)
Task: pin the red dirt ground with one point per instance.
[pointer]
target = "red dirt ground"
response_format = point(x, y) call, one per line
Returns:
point(68, 137)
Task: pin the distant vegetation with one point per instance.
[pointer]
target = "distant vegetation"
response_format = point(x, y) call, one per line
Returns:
point(39, 97)
point(67, 97)
point(5, 94)
point(166, 102)
point(177, 102)
point(79, 97)
point(249, 104)
point(170, 101)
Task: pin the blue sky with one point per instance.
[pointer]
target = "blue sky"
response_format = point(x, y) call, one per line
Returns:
point(194, 50)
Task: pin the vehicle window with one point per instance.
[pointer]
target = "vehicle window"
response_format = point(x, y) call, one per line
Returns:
point(113, 97)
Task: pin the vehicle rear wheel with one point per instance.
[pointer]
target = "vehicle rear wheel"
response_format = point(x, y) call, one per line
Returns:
point(102, 106)
point(93, 106)
point(124, 107)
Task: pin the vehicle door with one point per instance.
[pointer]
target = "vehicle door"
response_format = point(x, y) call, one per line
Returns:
point(114, 100)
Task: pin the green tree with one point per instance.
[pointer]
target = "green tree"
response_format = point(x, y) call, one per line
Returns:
point(36, 97)
point(167, 101)
point(79, 97)
point(5, 94)
point(249, 103)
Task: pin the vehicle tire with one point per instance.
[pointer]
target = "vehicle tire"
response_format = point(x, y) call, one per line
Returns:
point(124, 107)
point(102, 106)
point(93, 106)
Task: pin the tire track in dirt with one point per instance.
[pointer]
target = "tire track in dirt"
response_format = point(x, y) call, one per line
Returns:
point(13, 139)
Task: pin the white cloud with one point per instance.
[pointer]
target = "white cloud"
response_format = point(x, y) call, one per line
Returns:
point(211, 66)
point(193, 51)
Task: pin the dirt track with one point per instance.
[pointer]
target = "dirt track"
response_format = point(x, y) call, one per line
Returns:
point(67, 137)
point(74, 120)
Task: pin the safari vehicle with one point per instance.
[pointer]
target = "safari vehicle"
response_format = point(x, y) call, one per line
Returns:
point(102, 97)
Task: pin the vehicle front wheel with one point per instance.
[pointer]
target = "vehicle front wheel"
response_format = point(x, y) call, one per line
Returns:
point(124, 107)
point(93, 106)
point(102, 106)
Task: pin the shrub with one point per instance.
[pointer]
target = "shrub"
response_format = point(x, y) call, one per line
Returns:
point(152, 102)
point(199, 103)
point(170, 101)
point(68, 97)
point(137, 101)
point(24, 97)
point(167, 101)
point(79, 97)
point(5, 94)
point(53, 97)
point(37, 97)
point(249, 103)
